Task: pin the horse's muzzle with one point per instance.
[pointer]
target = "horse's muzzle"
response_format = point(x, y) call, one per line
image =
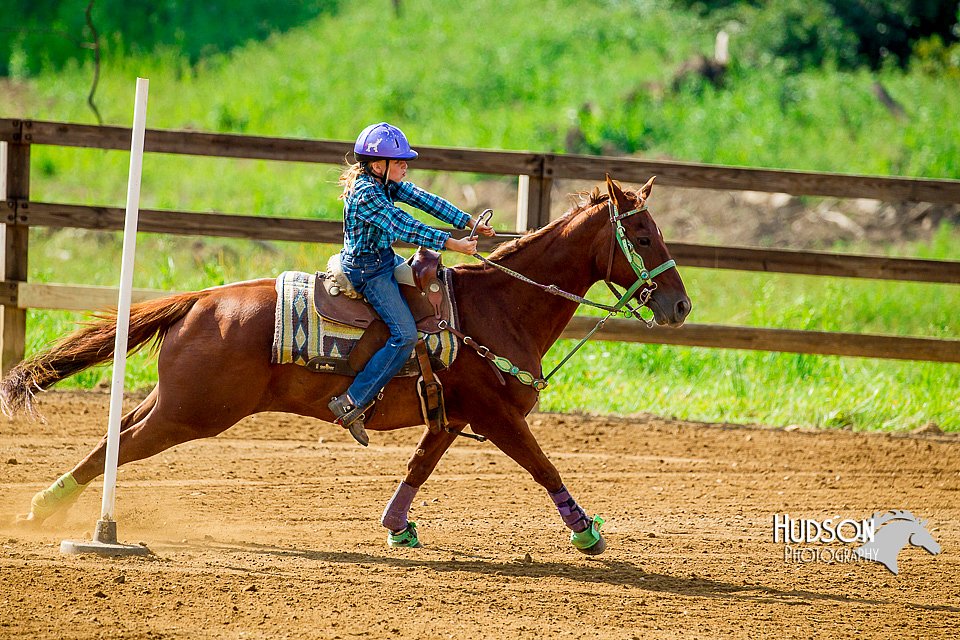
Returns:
point(671, 313)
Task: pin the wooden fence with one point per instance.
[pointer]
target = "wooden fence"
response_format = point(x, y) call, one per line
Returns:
point(537, 172)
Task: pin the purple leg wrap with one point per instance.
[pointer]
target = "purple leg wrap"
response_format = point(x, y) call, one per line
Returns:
point(395, 515)
point(573, 516)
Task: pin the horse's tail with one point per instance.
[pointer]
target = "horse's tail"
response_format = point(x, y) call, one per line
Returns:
point(88, 346)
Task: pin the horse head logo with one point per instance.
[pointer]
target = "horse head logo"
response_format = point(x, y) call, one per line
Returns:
point(374, 147)
point(899, 528)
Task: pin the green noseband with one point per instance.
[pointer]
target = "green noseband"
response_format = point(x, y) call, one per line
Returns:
point(626, 246)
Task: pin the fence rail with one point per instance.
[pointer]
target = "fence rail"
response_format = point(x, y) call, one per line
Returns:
point(45, 214)
point(763, 339)
point(537, 172)
point(679, 174)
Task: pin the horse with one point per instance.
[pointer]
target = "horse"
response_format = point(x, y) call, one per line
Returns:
point(901, 528)
point(214, 367)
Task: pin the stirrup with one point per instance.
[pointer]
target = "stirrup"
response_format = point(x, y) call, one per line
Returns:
point(350, 417)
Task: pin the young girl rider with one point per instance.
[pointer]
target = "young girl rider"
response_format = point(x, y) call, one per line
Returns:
point(372, 223)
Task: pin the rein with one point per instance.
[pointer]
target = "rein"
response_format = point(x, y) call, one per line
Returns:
point(622, 307)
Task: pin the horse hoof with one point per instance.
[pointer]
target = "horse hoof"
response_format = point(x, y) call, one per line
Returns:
point(589, 541)
point(406, 538)
point(599, 547)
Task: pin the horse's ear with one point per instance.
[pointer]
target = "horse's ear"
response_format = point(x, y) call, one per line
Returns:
point(616, 194)
point(647, 188)
point(611, 188)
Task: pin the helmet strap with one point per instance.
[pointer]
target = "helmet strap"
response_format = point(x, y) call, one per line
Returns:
point(386, 173)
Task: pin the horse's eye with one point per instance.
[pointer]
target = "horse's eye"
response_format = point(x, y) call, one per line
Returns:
point(644, 241)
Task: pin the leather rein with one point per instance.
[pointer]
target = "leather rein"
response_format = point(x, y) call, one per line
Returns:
point(622, 307)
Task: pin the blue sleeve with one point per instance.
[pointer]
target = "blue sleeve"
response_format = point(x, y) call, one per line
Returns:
point(434, 205)
point(374, 208)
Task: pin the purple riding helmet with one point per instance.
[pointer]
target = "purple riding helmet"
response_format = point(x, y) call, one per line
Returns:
point(382, 141)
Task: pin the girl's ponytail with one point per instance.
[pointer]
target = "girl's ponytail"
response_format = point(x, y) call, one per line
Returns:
point(348, 177)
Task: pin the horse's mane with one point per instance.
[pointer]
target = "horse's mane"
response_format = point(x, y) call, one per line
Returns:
point(582, 200)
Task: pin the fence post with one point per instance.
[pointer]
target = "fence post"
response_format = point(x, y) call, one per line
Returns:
point(15, 242)
point(537, 197)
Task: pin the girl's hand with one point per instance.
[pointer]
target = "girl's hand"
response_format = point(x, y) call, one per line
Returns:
point(466, 246)
point(483, 228)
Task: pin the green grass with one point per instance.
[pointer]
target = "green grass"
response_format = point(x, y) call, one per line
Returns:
point(490, 81)
point(821, 120)
point(755, 387)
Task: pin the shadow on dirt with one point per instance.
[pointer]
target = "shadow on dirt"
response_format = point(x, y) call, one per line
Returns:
point(614, 572)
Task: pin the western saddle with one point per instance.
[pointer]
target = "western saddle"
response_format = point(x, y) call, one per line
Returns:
point(420, 283)
point(430, 302)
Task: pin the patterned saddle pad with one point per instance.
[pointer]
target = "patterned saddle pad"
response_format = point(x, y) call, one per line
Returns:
point(300, 334)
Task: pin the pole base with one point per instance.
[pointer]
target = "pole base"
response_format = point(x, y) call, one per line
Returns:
point(104, 543)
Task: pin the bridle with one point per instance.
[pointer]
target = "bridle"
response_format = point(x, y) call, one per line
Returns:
point(635, 260)
point(622, 307)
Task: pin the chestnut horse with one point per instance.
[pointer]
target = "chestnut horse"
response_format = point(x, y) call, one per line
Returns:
point(214, 356)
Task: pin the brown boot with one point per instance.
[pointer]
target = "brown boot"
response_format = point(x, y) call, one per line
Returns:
point(350, 417)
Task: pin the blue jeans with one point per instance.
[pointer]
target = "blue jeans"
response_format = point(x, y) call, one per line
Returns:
point(372, 275)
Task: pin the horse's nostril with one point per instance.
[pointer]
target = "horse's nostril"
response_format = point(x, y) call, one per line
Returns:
point(683, 308)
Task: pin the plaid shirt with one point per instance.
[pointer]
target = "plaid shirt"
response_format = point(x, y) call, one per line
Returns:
point(371, 222)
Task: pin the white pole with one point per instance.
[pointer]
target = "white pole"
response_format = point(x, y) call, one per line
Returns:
point(523, 200)
point(123, 306)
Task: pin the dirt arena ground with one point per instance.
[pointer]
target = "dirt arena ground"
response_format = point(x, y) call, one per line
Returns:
point(272, 531)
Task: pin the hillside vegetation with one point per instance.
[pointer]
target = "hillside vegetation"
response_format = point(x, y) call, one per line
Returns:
point(550, 76)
